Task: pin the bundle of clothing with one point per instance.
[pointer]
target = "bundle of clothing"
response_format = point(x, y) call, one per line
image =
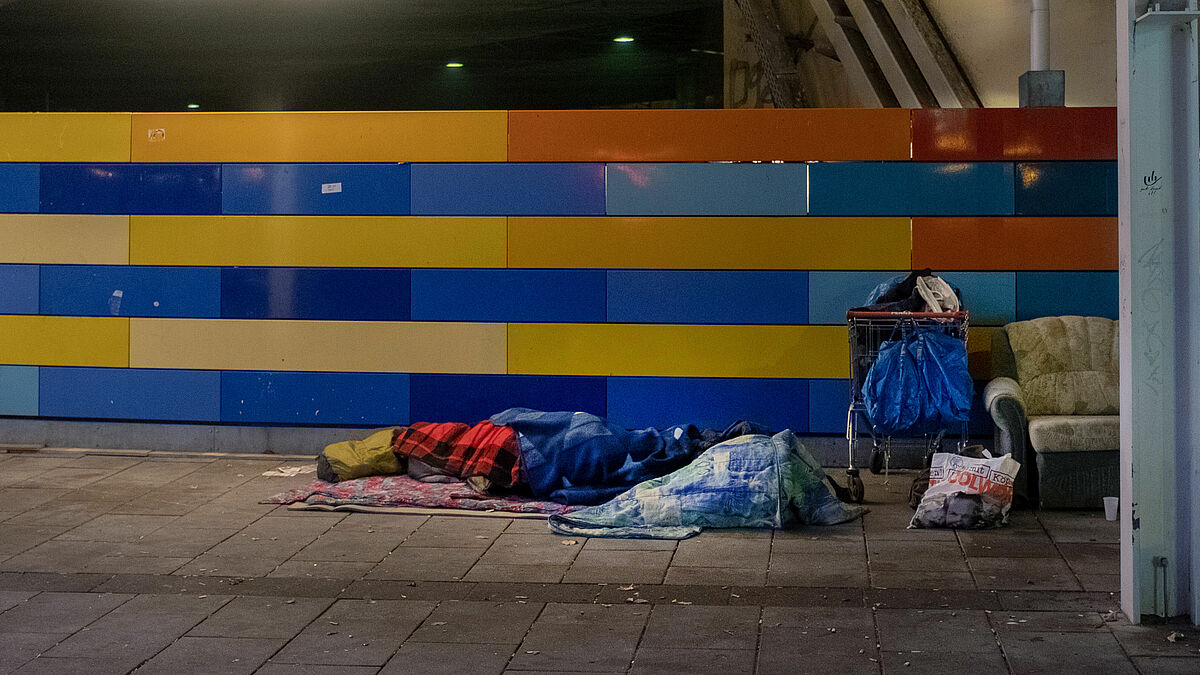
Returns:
point(566, 457)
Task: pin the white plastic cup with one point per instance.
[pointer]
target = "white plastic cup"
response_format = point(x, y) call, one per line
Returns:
point(1110, 508)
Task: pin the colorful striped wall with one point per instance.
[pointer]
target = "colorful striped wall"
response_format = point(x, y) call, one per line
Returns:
point(654, 266)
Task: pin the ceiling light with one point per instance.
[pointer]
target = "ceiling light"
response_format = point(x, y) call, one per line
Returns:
point(193, 106)
point(622, 38)
point(454, 64)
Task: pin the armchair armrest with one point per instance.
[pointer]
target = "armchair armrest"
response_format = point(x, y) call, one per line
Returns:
point(1003, 400)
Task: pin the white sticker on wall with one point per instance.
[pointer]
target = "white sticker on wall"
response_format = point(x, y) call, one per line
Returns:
point(330, 188)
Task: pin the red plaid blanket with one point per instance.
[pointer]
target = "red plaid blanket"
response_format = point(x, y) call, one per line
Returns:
point(482, 450)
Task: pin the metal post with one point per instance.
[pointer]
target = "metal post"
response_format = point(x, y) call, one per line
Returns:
point(1159, 210)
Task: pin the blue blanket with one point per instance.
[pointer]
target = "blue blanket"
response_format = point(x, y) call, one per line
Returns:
point(750, 481)
point(579, 458)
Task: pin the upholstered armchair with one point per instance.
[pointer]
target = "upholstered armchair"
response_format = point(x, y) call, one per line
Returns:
point(1055, 403)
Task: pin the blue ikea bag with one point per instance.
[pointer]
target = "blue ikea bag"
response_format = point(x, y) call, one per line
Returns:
point(918, 384)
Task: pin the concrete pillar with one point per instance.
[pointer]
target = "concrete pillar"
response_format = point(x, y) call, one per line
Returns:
point(1159, 188)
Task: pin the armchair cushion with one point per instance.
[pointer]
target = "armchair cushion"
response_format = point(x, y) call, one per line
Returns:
point(1067, 365)
point(1074, 433)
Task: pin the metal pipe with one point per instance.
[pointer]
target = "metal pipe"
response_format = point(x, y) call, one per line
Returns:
point(1039, 34)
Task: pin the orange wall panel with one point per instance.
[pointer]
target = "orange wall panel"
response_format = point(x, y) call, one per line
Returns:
point(983, 134)
point(1011, 243)
point(708, 135)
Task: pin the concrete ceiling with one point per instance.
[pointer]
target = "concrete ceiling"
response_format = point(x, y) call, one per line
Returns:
point(354, 54)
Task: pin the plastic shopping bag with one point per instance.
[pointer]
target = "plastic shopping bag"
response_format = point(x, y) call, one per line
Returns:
point(967, 492)
point(918, 383)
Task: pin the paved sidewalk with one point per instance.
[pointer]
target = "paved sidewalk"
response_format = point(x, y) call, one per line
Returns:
point(168, 564)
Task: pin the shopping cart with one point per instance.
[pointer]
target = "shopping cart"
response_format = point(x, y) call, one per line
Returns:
point(868, 331)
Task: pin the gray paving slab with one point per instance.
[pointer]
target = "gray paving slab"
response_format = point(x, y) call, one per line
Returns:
point(113, 527)
point(58, 514)
point(715, 576)
point(922, 579)
point(342, 546)
point(1082, 527)
point(478, 622)
point(482, 571)
point(272, 668)
point(807, 630)
point(356, 632)
point(262, 617)
point(940, 629)
point(526, 549)
point(25, 498)
point(1056, 652)
point(453, 532)
point(1166, 665)
point(59, 612)
point(1158, 640)
point(775, 661)
point(937, 662)
point(588, 638)
point(535, 592)
point(723, 552)
point(322, 570)
point(154, 472)
point(1110, 583)
point(1051, 574)
point(1058, 601)
point(66, 476)
point(138, 629)
point(99, 665)
point(1047, 621)
point(20, 648)
point(1095, 559)
point(427, 564)
point(211, 656)
point(806, 569)
point(389, 589)
point(10, 599)
point(18, 538)
point(430, 658)
point(617, 544)
point(619, 567)
point(175, 542)
point(669, 661)
point(894, 555)
point(246, 565)
point(702, 627)
point(58, 556)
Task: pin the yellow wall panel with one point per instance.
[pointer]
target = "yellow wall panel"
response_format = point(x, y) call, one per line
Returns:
point(64, 137)
point(341, 346)
point(79, 240)
point(318, 241)
point(710, 243)
point(64, 341)
point(678, 350)
point(979, 351)
point(408, 136)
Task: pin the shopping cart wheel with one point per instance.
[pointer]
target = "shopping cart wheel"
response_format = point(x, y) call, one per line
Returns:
point(857, 490)
point(877, 457)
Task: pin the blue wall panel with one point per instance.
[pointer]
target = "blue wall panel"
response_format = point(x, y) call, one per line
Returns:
point(747, 297)
point(193, 189)
point(1066, 189)
point(508, 295)
point(348, 294)
point(315, 189)
point(89, 188)
point(372, 399)
point(471, 398)
point(829, 401)
point(830, 294)
point(713, 403)
point(19, 390)
point(19, 289)
point(707, 189)
point(508, 189)
point(990, 297)
point(136, 394)
point(1063, 293)
point(19, 187)
point(910, 189)
point(117, 290)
